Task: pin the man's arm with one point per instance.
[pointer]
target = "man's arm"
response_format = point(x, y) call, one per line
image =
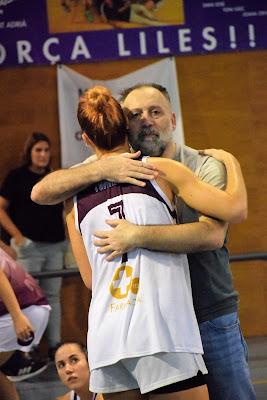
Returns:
point(60, 185)
point(206, 234)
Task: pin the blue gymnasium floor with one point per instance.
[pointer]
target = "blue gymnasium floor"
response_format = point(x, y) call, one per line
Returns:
point(47, 387)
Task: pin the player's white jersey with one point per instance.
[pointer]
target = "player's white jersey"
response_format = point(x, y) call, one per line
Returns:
point(141, 302)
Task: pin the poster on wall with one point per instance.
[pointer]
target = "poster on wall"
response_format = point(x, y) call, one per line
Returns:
point(71, 84)
point(41, 32)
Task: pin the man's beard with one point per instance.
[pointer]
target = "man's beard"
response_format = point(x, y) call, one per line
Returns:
point(148, 142)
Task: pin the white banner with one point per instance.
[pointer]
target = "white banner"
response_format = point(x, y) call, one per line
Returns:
point(71, 85)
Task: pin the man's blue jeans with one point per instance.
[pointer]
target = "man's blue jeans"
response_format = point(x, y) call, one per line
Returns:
point(225, 355)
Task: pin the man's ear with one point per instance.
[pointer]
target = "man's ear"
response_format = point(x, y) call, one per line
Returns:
point(88, 142)
point(173, 119)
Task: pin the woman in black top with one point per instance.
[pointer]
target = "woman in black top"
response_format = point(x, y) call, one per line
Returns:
point(37, 232)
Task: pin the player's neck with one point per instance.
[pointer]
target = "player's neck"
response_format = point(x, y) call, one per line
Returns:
point(114, 152)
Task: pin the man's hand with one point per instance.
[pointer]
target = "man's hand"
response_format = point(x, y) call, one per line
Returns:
point(116, 241)
point(62, 184)
point(125, 169)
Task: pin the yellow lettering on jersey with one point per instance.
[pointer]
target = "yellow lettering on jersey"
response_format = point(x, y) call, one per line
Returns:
point(121, 306)
point(121, 282)
point(135, 285)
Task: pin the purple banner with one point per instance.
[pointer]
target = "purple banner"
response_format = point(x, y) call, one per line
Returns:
point(40, 32)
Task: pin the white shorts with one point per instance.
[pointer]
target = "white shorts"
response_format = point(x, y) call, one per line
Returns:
point(146, 373)
point(37, 315)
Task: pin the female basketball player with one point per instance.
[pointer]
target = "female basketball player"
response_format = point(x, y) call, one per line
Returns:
point(143, 333)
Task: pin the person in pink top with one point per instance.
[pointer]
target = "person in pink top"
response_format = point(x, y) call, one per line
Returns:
point(24, 314)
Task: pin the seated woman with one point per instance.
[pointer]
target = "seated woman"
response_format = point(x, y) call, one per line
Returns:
point(143, 334)
point(73, 370)
point(24, 314)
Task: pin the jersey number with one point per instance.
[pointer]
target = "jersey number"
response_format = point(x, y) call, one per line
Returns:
point(117, 208)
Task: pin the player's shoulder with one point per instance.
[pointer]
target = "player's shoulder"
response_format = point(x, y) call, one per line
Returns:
point(206, 168)
point(190, 157)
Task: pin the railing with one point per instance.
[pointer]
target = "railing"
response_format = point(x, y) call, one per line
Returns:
point(75, 271)
point(248, 257)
